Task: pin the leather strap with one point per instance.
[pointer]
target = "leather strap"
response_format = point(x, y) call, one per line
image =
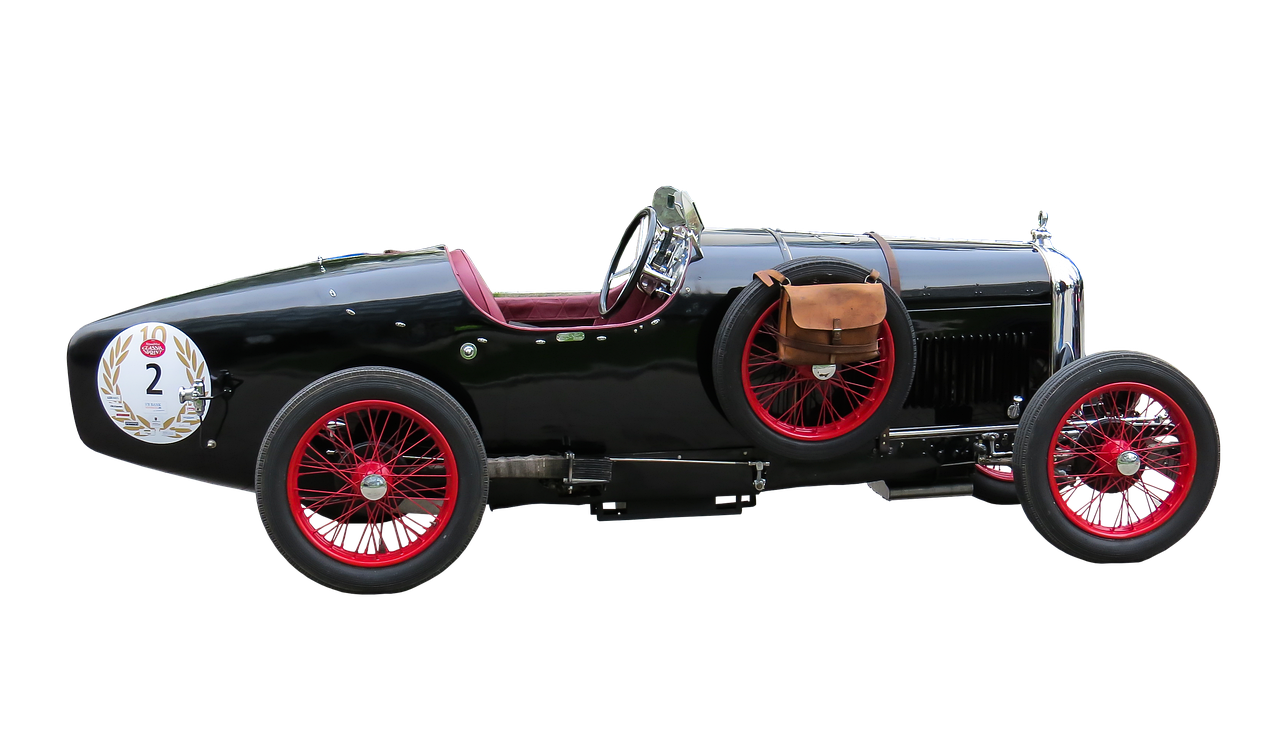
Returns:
point(769, 277)
point(828, 348)
point(895, 282)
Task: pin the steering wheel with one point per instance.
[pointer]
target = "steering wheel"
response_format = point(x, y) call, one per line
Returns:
point(649, 217)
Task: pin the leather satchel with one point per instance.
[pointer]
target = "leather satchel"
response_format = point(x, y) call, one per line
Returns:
point(828, 323)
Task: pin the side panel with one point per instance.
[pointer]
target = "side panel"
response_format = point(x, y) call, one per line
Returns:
point(641, 388)
point(274, 333)
point(982, 315)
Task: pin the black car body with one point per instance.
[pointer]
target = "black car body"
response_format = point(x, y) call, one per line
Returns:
point(629, 400)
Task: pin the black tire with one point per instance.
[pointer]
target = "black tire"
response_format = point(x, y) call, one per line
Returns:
point(731, 341)
point(993, 490)
point(1194, 467)
point(378, 384)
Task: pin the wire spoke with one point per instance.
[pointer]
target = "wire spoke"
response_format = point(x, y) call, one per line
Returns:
point(419, 468)
point(790, 385)
point(1070, 490)
point(326, 498)
point(1148, 491)
point(787, 415)
point(1091, 503)
point(408, 493)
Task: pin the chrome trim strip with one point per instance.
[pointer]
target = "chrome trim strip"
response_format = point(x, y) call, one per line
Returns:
point(971, 308)
point(782, 243)
point(687, 460)
point(948, 431)
point(1067, 290)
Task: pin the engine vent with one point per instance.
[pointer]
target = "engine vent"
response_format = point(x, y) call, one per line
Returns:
point(964, 369)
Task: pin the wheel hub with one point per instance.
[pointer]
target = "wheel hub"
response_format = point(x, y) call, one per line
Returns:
point(824, 371)
point(1119, 458)
point(373, 487)
point(374, 480)
point(1128, 463)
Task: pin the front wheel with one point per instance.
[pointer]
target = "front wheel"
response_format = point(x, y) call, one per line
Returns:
point(1116, 458)
point(371, 480)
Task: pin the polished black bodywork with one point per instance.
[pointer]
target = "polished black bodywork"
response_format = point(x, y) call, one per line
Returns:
point(982, 313)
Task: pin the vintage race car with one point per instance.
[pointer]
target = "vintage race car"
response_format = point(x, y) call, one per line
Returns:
point(377, 403)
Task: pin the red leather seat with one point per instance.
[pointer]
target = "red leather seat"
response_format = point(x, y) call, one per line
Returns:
point(578, 308)
point(575, 310)
point(473, 285)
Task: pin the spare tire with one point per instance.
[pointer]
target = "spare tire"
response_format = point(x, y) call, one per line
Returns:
point(790, 411)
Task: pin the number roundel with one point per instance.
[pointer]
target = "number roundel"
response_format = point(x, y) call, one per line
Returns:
point(140, 376)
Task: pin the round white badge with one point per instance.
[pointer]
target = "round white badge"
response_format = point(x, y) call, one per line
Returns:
point(139, 379)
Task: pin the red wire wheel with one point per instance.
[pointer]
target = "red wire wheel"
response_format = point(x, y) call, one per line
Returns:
point(999, 473)
point(1116, 457)
point(791, 411)
point(794, 402)
point(372, 483)
point(1124, 460)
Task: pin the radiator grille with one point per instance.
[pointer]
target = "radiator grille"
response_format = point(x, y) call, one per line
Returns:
point(963, 369)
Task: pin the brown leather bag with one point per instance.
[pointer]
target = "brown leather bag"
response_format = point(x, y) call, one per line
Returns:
point(828, 323)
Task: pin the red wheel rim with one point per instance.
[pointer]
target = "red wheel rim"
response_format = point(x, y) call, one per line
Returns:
point(795, 403)
point(1000, 473)
point(372, 483)
point(1085, 466)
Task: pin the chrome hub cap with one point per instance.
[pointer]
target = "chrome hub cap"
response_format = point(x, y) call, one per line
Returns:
point(373, 487)
point(1128, 463)
point(824, 372)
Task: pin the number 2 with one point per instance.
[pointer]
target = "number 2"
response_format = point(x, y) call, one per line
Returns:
point(151, 389)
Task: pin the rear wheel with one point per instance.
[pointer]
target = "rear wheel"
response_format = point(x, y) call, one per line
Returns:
point(371, 480)
point(1117, 457)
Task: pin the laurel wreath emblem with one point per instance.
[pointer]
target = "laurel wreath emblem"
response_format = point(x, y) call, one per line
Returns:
point(177, 427)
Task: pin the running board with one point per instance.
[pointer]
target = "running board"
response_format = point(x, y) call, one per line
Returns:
point(895, 492)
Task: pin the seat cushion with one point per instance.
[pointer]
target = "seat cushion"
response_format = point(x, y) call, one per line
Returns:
point(570, 310)
point(566, 308)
